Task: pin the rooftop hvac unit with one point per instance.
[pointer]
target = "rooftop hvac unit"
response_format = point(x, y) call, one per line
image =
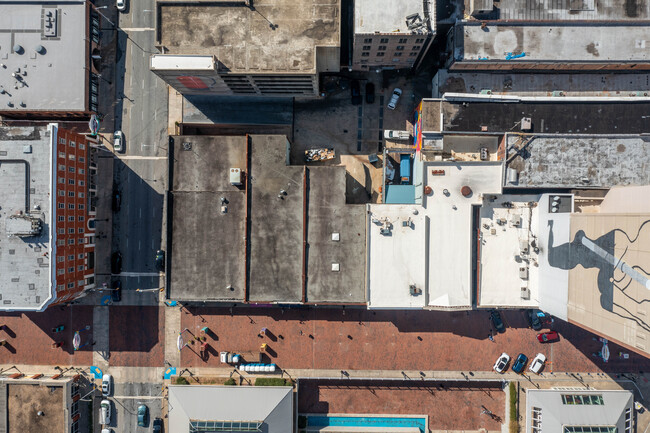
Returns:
point(523, 246)
point(484, 154)
point(526, 123)
point(512, 175)
point(516, 220)
point(525, 293)
point(235, 176)
point(523, 273)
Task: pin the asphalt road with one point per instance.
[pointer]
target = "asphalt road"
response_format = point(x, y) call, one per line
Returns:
point(140, 173)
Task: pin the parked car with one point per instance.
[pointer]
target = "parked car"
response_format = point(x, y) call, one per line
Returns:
point(143, 415)
point(534, 321)
point(121, 5)
point(390, 134)
point(118, 141)
point(538, 363)
point(157, 425)
point(106, 385)
point(160, 260)
point(116, 293)
point(520, 363)
point(117, 201)
point(107, 430)
point(105, 412)
point(116, 263)
point(370, 93)
point(495, 317)
point(548, 337)
point(355, 92)
point(502, 363)
point(394, 98)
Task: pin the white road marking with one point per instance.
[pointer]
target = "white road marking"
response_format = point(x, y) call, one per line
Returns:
point(143, 87)
point(141, 213)
point(127, 243)
point(139, 246)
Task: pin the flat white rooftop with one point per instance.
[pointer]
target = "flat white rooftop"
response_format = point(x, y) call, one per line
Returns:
point(47, 72)
point(450, 237)
point(594, 43)
point(26, 271)
point(182, 63)
point(434, 250)
point(389, 16)
point(508, 252)
point(397, 246)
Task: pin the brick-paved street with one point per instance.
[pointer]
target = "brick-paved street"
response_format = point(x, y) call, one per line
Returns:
point(391, 340)
point(137, 336)
point(30, 337)
point(315, 338)
point(454, 406)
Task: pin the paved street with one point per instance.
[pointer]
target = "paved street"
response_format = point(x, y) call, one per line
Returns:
point(125, 400)
point(140, 173)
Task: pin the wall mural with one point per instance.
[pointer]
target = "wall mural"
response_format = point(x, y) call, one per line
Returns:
point(615, 274)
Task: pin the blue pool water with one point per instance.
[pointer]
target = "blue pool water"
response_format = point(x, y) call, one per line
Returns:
point(366, 421)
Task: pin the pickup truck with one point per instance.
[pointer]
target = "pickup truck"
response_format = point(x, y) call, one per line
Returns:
point(390, 134)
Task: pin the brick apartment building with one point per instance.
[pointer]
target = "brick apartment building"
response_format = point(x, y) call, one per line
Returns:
point(47, 249)
point(75, 245)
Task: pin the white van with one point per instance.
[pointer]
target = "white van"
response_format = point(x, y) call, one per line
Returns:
point(105, 412)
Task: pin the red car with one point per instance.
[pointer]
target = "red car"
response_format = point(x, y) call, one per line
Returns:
point(548, 337)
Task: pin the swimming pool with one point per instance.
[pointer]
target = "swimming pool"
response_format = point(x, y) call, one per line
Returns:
point(367, 421)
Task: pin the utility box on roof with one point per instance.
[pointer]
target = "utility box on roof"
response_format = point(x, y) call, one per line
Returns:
point(235, 176)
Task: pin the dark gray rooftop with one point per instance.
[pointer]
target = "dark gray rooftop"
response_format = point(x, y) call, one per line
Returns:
point(569, 10)
point(26, 271)
point(207, 246)
point(208, 250)
point(330, 217)
point(532, 84)
point(560, 118)
point(276, 223)
point(582, 161)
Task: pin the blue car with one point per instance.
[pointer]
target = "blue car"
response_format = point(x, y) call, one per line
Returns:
point(520, 363)
point(143, 415)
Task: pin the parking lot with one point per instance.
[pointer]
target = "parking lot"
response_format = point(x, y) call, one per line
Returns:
point(125, 400)
point(353, 131)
